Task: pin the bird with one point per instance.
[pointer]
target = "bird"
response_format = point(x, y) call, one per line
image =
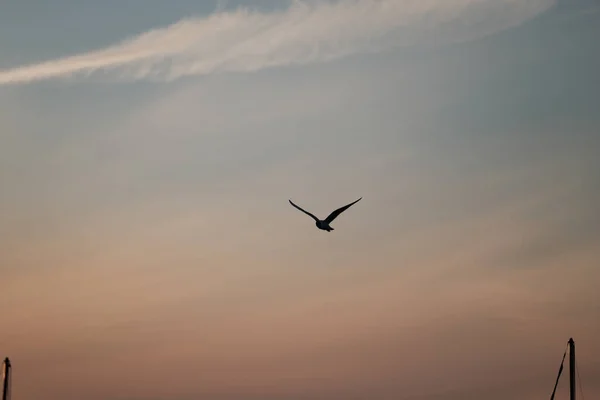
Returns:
point(323, 224)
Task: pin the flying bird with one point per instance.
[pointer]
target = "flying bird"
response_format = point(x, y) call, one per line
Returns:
point(324, 223)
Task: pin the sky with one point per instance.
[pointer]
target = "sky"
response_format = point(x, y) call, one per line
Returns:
point(148, 150)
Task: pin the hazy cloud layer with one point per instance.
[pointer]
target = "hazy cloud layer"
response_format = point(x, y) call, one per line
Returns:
point(306, 32)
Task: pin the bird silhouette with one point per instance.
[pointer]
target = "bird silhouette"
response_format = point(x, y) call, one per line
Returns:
point(323, 224)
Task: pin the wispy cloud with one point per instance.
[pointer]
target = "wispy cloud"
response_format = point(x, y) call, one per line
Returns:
point(306, 32)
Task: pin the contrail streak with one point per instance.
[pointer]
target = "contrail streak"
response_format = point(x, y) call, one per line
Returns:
point(306, 32)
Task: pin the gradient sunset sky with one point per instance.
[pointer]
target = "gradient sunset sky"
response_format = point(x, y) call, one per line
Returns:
point(148, 149)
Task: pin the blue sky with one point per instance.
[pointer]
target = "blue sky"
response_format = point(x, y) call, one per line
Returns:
point(146, 165)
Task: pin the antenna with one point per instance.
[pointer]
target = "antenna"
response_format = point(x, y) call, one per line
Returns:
point(6, 379)
point(572, 374)
point(572, 370)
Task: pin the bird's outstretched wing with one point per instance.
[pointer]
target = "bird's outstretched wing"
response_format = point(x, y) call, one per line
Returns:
point(304, 211)
point(337, 212)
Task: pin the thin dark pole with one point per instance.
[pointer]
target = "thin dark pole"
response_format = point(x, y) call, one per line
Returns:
point(5, 394)
point(572, 385)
